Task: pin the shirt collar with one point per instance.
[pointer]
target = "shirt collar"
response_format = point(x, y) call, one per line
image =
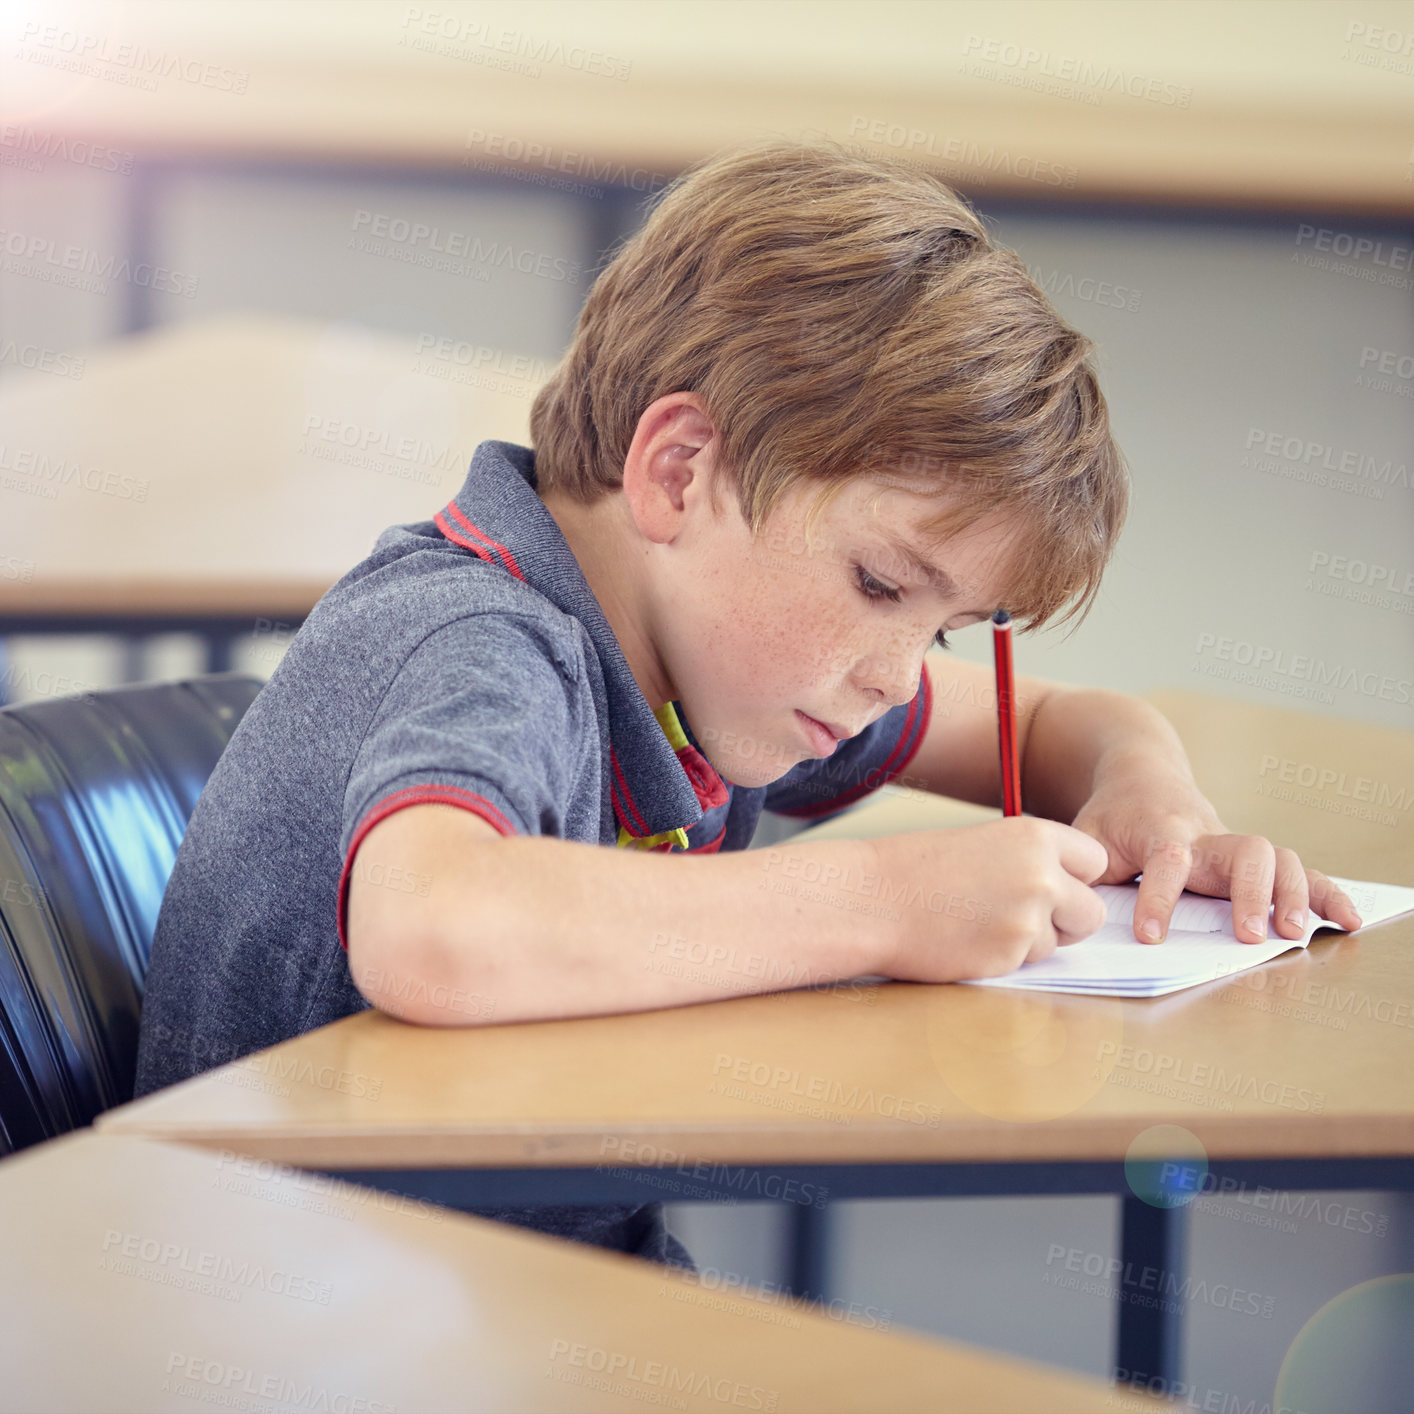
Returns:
point(659, 782)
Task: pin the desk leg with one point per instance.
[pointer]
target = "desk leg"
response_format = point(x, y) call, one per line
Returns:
point(1148, 1338)
point(218, 651)
point(807, 1250)
point(132, 665)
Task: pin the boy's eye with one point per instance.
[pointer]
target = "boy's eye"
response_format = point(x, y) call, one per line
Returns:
point(874, 589)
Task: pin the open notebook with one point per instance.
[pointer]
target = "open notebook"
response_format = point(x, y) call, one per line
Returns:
point(1200, 946)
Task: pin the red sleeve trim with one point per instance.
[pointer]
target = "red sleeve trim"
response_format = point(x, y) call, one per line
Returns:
point(915, 728)
point(400, 800)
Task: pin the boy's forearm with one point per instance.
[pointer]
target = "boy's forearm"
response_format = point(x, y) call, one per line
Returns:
point(539, 927)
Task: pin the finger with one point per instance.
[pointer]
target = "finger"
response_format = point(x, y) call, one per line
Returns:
point(1329, 900)
point(1166, 869)
point(1078, 911)
point(1251, 874)
point(1291, 895)
point(1081, 855)
point(1120, 868)
point(1043, 943)
point(1209, 870)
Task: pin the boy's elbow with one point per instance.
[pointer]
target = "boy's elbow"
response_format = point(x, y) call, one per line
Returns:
point(406, 976)
point(410, 954)
point(417, 978)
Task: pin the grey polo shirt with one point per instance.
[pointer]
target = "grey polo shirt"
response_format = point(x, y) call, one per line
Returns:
point(464, 662)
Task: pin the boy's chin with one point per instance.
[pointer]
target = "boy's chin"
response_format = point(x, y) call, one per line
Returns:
point(747, 758)
point(752, 775)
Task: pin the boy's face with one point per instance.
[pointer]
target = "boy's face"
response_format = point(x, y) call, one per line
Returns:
point(759, 636)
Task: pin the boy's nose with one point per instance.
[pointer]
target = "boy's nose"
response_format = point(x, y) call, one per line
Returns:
point(891, 677)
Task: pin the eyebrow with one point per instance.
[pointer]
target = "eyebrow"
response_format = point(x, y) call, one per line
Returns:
point(940, 579)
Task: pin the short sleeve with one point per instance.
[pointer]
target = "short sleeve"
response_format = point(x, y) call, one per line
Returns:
point(878, 755)
point(482, 715)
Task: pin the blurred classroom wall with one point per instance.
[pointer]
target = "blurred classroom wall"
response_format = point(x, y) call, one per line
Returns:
point(1218, 194)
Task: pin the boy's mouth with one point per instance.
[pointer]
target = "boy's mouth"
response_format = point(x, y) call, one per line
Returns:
point(821, 737)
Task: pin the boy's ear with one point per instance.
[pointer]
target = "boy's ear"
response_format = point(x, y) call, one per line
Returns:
point(669, 464)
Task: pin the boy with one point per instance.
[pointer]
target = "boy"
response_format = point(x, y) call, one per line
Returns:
point(811, 416)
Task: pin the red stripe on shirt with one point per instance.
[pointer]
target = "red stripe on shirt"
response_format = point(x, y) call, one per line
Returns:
point(440, 521)
point(400, 800)
point(627, 798)
point(714, 846)
point(507, 558)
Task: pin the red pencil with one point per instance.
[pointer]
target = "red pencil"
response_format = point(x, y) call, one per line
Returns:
point(1006, 713)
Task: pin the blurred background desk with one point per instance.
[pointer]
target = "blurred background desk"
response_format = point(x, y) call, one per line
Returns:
point(218, 477)
point(1217, 102)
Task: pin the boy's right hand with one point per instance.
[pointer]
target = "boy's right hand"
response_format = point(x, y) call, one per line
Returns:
point(980, 901)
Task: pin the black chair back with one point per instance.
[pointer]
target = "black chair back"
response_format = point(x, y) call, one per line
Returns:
point(95, 795)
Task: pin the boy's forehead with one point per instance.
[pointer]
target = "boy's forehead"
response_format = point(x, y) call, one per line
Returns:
point(913, 516)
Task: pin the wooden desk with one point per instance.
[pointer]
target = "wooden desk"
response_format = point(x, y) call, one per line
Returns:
point(214, 475)
point(145, 1276)
point(981, 1076)
point(1293, 1074)
point(894, 1074)
point(793, 1096)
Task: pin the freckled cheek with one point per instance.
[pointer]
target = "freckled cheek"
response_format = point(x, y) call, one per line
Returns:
point(761, 646)
point(772, 640)
point(801, 649)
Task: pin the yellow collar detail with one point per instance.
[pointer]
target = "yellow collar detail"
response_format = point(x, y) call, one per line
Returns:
point(672, 728)
point(677, 739)
point(628, 841)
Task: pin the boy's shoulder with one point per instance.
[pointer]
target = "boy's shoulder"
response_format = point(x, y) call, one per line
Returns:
point(450, 576)
point(416, 584)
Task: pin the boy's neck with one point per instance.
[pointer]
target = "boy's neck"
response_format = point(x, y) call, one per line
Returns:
point(602, 538)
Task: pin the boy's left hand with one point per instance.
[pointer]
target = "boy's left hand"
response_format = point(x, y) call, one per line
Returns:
point(1159, 824)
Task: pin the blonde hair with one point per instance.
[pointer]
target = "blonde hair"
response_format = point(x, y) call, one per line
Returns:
point(843, 316)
